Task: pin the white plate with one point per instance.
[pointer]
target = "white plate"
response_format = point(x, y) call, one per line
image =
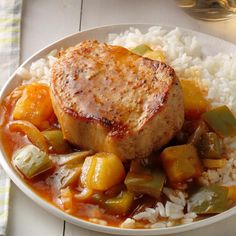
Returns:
point(210, 45)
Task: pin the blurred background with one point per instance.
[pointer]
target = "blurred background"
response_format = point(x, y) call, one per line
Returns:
point(61, 17)
point(210, 10)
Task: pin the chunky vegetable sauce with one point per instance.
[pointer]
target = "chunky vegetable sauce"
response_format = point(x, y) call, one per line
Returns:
point(97, 186)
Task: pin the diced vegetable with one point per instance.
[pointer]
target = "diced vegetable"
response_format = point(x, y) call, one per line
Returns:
point(197, 135)
point(232, 193)
point(56, 141)
point(195, 103)
point(141, 184)
point(32, 132)
point(31, 161)
point(221, 120)
point(214, 163)
point(34, 106)
point(65, 175)
point(155, 55)
point(98, 198)
point(67, 199)
point(85, 194)
point(102, 171)
point(145, 51)
point(9, 101)
point(115, 190)
point(120, 204)
point(88, 172)
point(209, 200)
point(71, 158)
point(181, 163)
point(142, 180)
point(210, 146)
point(141, 49)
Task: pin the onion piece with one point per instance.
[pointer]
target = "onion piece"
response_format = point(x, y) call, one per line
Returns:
point(31, 131)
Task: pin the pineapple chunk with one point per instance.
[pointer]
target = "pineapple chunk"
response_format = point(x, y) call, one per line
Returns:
point(213, 163)
point(231, 193)
point(102, 171)
point(34, 106)
point(88, 170)
point(195, 103)
point(181, 163)
point(31, 161)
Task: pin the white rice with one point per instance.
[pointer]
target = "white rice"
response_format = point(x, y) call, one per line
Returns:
point(217, 73)
point(39, 70)
point(172, 212)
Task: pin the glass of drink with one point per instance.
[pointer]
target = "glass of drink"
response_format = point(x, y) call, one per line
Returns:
point(209, 10)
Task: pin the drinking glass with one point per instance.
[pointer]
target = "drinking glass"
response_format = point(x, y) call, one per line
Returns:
point(209, 10)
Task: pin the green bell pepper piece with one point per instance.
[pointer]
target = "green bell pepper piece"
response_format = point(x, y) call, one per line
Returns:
point(120, 204)
point(56, 141)
point(145, 181)
point(201, 129)
point(221, 120)
point(208, 200)
point(141, 49)
point(210, 146)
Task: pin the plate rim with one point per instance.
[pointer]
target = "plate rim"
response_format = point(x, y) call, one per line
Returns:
point(24, 187)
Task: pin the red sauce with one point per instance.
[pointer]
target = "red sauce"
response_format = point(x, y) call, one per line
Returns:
point(12, 141)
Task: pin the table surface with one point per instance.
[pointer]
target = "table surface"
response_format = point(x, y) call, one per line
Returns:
point(44, 21)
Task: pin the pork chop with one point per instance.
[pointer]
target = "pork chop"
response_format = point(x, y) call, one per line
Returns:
point(107, 98)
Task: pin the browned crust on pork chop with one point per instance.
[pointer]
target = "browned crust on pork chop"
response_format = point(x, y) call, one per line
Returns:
point(109, 99)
